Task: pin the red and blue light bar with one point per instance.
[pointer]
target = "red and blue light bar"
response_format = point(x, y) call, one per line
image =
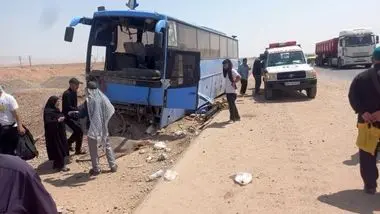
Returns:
point(283, 44)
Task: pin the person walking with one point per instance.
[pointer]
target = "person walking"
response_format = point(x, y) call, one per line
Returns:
point(70, 103)
point(21, 190)
point(10, 123)
point(55, 134)
point(98, 110)
point(243, 71)
point(231, 77)
point(364, 98)
point(257, 74)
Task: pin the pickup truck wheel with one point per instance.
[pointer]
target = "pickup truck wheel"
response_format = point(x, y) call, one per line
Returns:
point(311, 92)
point(268, 93)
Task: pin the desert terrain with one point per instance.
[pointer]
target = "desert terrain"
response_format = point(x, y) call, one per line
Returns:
point(301, 153)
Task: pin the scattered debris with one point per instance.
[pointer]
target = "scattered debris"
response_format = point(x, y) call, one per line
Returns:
point(180, 133)
point(162, 157)
point(160, 145)
point(192, 129)
point(133, 167)
point(151, 130)
point(243, 178)
point(156, 175)
point(142, 151)
point(168, 149)
point(170, 175)
point(149, 159)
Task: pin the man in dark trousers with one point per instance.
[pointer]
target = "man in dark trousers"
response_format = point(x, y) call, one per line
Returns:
point(10, 123)
point(243, 70)
point(21, 190)
point(256, 72)
point(70, 103)
point(364, 97)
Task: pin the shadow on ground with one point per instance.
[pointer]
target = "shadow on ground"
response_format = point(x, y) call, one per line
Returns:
point(282, 97)
point(74, 180)
point(355, 160)
point(355, 201)
point(218, 125)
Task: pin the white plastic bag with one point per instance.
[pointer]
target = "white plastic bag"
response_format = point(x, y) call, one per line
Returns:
point(243, 178)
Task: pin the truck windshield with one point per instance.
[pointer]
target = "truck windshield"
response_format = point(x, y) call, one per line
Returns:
point(286, 58)
point(360, 40)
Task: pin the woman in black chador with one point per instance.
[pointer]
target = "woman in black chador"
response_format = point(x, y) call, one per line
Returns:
point(55, 134)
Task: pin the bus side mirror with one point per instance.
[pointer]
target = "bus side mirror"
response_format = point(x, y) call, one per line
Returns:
point(69, 34)
point(377, 39)
point(158, 39)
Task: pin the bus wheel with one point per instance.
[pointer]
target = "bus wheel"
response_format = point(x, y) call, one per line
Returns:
point(117, 124)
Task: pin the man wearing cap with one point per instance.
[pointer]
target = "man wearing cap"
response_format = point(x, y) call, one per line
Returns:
point(10, 123)
point(364, 97)
point(70, 103)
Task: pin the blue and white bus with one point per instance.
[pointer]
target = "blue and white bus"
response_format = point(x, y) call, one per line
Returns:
point(156, 68)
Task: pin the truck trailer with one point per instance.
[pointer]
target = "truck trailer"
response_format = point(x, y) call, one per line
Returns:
point(351, 48)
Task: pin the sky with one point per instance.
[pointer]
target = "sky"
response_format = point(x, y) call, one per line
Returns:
point(37, 27)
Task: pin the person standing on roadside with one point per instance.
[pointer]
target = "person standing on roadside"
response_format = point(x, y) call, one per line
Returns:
point(10, 123)
point(257, 73)
point(364, 97)
point(243, 72)
point(21, 190)
point(70, 103)
point(98, 110)
point(231, 77)
point(55, 134)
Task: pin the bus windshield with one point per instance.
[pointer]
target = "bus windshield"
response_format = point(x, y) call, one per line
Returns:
point(130, 42)
point(352, 41)
point(286, 58)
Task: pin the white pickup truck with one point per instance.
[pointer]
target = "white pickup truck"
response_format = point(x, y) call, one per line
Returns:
point(286, 68)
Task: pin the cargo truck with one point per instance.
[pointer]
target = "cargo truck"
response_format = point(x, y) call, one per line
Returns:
point(351, 48)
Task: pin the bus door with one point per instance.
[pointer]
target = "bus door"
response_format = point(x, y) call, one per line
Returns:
point(183, 71)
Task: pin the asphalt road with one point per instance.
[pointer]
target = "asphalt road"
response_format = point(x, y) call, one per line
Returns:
point(336, 74)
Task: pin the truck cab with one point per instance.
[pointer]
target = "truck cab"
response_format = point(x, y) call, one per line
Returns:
point(286, 69)
point(355, 47)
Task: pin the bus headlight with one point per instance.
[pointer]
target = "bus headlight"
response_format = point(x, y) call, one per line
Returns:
point(270, 77)
point(312, 74)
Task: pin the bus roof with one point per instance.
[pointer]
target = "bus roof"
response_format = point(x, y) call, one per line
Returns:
point(152, 15)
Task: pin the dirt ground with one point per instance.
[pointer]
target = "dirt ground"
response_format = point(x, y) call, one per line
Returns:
point(301, 153)
point(75, 191)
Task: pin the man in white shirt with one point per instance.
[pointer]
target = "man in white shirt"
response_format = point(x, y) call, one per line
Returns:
point(10, 124)
point(231, 77)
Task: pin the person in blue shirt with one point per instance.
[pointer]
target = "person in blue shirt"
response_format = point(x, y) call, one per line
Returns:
point(243, 71)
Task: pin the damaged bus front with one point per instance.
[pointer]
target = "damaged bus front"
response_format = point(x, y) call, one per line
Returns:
point(133, 73)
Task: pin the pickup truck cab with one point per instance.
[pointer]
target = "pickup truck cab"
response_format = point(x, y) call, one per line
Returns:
point(286, 69)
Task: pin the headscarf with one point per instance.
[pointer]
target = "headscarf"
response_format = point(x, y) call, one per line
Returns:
point(51, 103)
point(51, 112)
point(228, 71)
point(100, 111)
